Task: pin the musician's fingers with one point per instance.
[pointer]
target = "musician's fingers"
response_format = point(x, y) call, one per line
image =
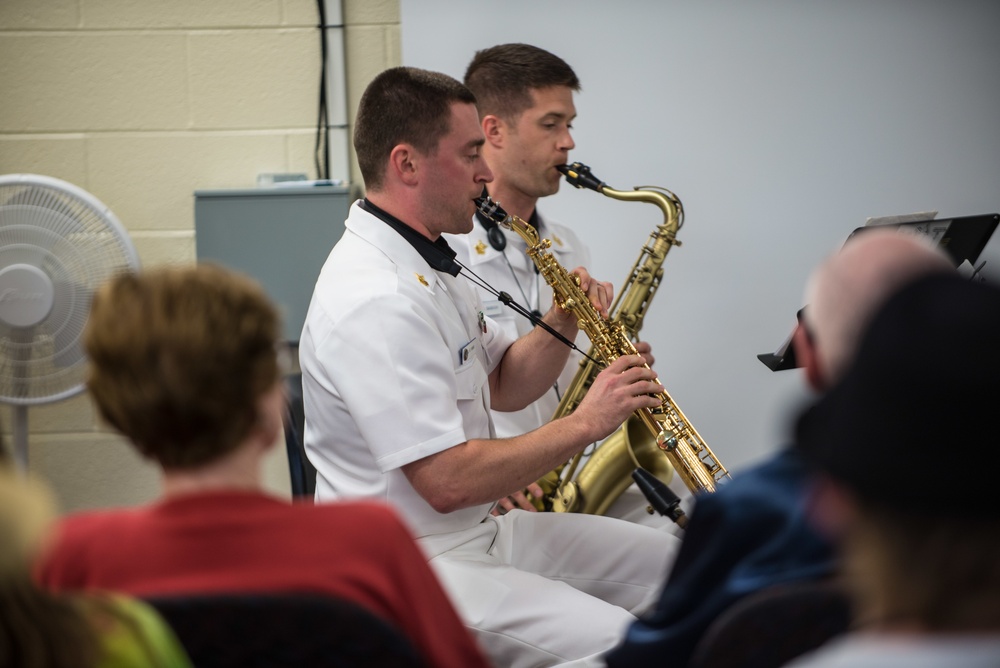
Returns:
point(521, 501)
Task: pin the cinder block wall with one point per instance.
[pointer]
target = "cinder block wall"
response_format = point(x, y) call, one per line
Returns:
point(141, 103)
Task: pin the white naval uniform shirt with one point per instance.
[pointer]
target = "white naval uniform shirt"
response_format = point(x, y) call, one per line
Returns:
point(395, 365)
point(528, 289)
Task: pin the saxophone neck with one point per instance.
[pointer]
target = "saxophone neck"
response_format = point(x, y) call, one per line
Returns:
point(524, 230)
point(579, 175)
point(492, 210)
point(668, 203)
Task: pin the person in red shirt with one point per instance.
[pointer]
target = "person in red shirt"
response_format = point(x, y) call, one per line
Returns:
point(184, 363)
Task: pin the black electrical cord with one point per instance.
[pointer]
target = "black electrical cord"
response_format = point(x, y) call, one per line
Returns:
point(509, 302)
point(321, 154)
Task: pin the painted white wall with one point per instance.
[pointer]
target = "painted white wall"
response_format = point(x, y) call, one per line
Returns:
point(781, 126)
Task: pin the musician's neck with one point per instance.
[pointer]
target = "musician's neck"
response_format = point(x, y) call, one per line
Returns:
point(513, 201)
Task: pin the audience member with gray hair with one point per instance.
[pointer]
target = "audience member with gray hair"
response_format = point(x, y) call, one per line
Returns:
point(753, 533)
point(903, 447)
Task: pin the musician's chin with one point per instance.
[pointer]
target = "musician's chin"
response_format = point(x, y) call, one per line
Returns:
point(550, 188)
point(553, 179)
point(467, 223)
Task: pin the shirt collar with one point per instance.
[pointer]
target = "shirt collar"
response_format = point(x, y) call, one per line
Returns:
point(438, 254)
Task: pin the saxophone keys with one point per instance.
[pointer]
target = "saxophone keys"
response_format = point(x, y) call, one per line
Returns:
point(666, 440)
point(567, 499)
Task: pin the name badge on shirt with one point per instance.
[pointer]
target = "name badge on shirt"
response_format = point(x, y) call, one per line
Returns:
point(492, 307)
point(468, 352)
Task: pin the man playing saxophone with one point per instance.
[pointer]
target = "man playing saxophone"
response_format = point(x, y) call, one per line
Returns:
point(401, 367)
point(526, 108)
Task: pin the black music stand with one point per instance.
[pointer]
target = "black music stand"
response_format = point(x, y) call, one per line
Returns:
point(962, 238)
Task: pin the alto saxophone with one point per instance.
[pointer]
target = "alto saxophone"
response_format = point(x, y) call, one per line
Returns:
point(607, 474)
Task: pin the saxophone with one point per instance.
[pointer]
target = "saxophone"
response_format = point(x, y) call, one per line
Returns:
point(650, 432)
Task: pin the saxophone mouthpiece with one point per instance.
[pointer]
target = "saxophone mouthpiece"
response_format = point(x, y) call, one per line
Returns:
point(578, 175)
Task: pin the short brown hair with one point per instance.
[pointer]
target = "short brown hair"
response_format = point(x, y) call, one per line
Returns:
point(403, 105)
point(503, 76)
point(179, 358)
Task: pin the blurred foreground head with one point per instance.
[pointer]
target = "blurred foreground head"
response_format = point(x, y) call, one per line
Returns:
point(907, 442)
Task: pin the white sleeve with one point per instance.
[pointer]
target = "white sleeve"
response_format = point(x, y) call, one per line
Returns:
point(395, 372)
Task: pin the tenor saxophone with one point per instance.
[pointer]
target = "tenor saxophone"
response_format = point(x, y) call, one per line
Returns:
point(664, 429)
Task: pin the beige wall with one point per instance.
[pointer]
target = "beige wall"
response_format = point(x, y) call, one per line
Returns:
point(142, 102)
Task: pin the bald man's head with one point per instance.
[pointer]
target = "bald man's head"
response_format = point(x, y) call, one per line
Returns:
point(852, 284)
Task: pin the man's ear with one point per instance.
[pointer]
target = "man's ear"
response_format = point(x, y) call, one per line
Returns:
point(805, 355)
point(495, 130)
point(403, 163)
point(270, 409)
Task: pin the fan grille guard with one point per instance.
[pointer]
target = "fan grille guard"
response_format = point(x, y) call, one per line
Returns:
point(58, 244)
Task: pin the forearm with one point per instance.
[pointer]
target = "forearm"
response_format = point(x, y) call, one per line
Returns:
point(532, 364)
point(481, 471)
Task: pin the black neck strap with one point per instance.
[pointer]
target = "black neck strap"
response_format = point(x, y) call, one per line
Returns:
point(438, 254)
point(441, 257)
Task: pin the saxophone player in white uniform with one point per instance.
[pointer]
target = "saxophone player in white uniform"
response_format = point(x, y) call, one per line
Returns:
point(401, 367)
point(525, 100)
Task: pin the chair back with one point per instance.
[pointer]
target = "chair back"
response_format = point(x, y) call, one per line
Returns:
point(301, 470)
point(277, 630)
point(771, 627)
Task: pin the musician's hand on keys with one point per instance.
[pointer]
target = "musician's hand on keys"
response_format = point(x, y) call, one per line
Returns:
point(622, 388)
point(644, 349)
point(600, 293)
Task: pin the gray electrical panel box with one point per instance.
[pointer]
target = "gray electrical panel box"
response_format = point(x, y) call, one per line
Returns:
point(280, 236)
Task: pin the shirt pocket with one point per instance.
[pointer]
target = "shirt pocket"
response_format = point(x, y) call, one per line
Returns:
point(469, 379)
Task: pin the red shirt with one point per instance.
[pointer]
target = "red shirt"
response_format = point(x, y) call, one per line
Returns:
point(238, 541)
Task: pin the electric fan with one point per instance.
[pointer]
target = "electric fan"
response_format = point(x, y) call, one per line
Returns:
point(58, 244)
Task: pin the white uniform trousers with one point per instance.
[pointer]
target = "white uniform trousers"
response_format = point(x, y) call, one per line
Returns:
point(552, 589)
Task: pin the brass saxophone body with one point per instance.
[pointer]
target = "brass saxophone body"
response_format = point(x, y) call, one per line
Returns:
point(649, 432)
